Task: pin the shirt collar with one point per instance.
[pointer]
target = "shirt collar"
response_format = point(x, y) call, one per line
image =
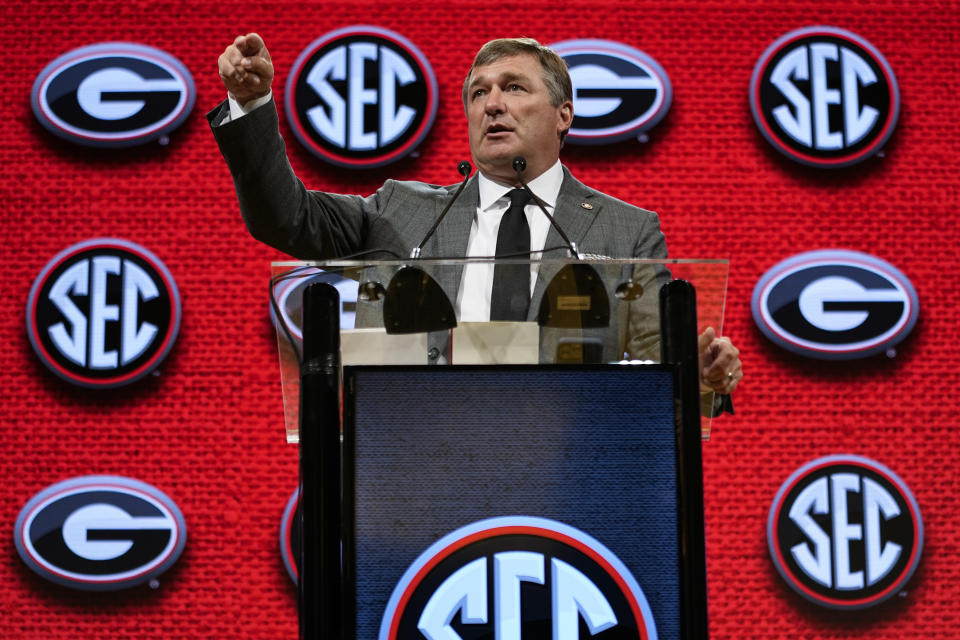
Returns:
point(546, 186)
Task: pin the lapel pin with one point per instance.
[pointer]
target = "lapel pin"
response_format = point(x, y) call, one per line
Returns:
point(587, 206)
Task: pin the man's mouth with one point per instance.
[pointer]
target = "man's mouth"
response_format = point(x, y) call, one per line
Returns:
point(494, 129)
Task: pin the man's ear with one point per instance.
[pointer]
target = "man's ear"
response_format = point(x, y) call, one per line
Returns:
point(564, 116)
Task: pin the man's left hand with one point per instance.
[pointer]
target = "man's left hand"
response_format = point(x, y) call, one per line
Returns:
point(720, 367)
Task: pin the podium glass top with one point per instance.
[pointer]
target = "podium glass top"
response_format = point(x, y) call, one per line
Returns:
point(407, 312)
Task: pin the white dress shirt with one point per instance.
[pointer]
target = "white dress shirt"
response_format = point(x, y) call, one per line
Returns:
point(476, 285)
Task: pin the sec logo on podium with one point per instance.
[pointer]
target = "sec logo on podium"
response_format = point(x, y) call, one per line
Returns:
point(517, 577)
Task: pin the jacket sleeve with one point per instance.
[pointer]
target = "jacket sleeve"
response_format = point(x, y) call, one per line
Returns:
point(276, 207)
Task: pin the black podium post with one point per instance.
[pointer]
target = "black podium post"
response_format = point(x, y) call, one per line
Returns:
point(678, 330)
point(319, 572)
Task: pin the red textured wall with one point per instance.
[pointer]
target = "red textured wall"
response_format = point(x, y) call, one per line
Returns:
point(207, 429)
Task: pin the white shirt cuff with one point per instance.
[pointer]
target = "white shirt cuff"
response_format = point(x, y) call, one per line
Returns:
point(238, 111)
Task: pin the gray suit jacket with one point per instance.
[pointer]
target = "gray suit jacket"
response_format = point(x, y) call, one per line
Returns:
point(312, 225)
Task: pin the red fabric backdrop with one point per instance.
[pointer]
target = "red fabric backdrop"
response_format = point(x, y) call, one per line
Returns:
point(207, 428)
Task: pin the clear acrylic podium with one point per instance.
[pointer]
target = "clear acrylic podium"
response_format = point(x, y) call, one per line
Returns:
point(384, 387)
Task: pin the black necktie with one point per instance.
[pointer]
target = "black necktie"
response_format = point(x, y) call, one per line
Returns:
point(511, 282)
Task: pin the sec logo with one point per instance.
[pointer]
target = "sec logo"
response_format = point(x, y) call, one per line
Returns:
point(361, 97)
point(103, 313)
point(824, 97)
point(835, 305)
point(114, 94)
point(100, 533)
point(618, 91)
point(845, 532)
point(517, 577)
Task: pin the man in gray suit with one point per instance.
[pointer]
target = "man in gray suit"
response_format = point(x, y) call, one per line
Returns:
point(518, 102)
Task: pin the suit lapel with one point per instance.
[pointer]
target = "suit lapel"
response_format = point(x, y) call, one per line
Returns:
point(570, 213)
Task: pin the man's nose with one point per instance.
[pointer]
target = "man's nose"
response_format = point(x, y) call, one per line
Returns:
point(494, 101)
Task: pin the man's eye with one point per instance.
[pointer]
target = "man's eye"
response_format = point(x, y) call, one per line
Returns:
point(477, 93)
point(515, 87)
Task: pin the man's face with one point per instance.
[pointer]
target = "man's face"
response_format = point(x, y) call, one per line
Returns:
point(509, 114)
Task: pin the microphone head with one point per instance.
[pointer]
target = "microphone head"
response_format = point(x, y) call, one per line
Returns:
point(519, 164)
point(464, 168)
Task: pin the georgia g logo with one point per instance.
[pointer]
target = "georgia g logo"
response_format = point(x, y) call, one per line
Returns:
point(100, 533)
point(361, 97)
point(824, 97)
point(618, 91)
point(103, 313)
point(845, 532)
point(114, 94)
point(835, 305)
point(517, 577)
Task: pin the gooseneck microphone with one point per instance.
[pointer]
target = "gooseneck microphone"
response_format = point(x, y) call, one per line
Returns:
point(519, 166)
point(413, 301)
point(574, 281)
point(463, 169)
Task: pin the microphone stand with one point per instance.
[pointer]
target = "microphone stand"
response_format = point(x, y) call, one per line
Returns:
point(519, 166)
point(562, 303)
point(414, 302)
point(463, 169)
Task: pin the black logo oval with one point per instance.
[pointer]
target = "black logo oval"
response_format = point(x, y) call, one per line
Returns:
point(114, 94)
point(845, 532)
point(100, 533)
point(361, 97)
point(290, 535)
point(618, 91)
point(103, 313)
point(514, 577)
point(824, 97)
point(287, 298)
point(835, 305)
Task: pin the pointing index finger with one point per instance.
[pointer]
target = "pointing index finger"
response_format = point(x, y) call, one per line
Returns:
point(250, 44)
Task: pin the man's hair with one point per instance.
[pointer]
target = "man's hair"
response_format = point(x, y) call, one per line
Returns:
point(555, 73)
